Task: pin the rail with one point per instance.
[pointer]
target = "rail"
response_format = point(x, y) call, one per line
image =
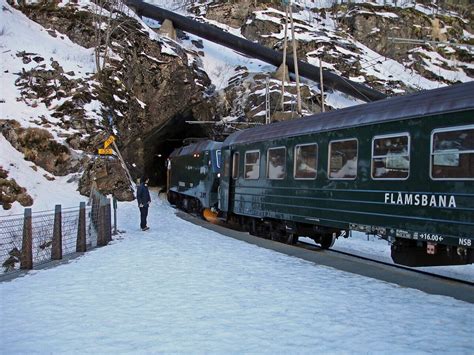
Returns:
point(310, 246)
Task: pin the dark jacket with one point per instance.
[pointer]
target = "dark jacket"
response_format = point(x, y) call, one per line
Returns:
point(143, 195)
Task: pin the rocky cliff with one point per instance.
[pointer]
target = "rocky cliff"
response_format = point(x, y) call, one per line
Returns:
point(142, 96)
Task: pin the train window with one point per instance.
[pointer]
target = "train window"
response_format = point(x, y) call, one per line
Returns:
point(252, 164)
point(452, 153)
point(306, 161)
point(343, 159)
point(276, 163)
point(235, 166)
point(391, 157)
point(218, 158)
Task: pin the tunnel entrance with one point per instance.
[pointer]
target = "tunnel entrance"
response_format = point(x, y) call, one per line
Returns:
point(161, 143)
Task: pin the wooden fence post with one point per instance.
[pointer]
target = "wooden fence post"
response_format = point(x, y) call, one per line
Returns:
point(81, 229)
point(114, 203)
point(95, 212)
point(101, 233)
point(57, 245)
point(108, 221)
point(26, 261)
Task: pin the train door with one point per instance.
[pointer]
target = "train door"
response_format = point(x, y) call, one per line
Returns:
point(233, 175)
point(224, 187)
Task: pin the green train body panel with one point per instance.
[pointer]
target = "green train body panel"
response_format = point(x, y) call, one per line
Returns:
point(194, 171)
point(418, 207)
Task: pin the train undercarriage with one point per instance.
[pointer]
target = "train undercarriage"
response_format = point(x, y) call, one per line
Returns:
point(284, 231)
point(416, 253)
point(277, 230)
point(403, 251)
point(186, 203)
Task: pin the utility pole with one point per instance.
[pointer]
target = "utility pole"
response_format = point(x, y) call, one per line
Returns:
point(321, 83)
point(267, 101)
point(124, 166)
point(285, 44)
point(295, 60)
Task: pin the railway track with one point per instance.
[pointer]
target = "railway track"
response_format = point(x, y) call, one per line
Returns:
point(403, 276)
point(310, 246)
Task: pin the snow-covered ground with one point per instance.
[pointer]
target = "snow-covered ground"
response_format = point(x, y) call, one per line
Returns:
point(182, 288)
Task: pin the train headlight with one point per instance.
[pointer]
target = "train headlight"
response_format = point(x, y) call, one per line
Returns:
point(218, 175)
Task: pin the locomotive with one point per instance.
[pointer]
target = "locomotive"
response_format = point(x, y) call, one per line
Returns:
point(401, 168)
point(193, 176)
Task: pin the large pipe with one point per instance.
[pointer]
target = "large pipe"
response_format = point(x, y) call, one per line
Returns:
point(254, 50)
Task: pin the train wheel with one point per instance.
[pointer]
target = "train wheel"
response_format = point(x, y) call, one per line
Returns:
point(253, 227)
point(327, 241)
point(292, 239)
point(277, 232)
point(179, 202)
point(275, 236)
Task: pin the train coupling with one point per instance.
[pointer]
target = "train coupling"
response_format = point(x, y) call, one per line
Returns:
point(431, 248)
point(210, 215)
point(462, 252)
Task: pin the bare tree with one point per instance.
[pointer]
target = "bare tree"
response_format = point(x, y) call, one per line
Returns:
point(182, 4)
point(107, 19)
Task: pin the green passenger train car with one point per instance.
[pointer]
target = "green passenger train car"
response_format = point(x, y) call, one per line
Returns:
point(193, 176)
point(401, 168)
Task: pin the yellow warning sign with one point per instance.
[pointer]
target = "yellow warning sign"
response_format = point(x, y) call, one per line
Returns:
point(106, 151)
point(109, 141)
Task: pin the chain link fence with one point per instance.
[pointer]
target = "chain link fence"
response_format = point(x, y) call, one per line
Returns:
point(11, 232)
point(37, 238)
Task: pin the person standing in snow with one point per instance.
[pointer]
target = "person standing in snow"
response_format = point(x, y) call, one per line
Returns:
point(144, 200)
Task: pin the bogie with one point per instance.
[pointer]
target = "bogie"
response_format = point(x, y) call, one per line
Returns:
point(411, 253)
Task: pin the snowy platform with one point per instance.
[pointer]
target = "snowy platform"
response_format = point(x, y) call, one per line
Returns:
point(182, 288)
point(402, 277)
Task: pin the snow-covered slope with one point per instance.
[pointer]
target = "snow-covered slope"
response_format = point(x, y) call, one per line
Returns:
point(44, 76)
point(19, 36)
point(45, 192)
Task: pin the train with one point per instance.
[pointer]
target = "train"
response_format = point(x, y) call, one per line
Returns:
point(401, 169)
point(193, 176)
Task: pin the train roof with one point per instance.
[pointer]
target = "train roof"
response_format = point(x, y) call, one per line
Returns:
point(453, 98)
point(197, 147)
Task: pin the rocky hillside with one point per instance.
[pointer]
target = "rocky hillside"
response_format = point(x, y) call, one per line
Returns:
point(356, 40)
point(147, 82)
point(59, 106)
